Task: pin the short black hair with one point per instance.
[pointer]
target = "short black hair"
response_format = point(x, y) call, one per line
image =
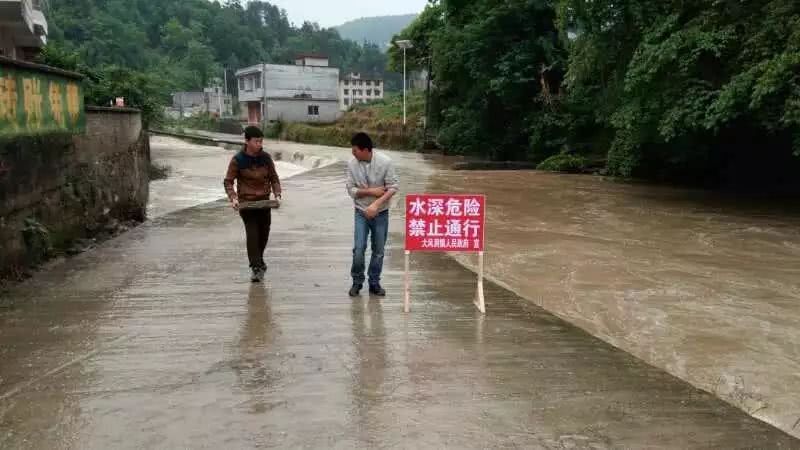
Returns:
point(362, 141)
point(252, 132)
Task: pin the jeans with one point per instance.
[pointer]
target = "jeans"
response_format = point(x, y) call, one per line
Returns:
point(256, 225)
point(377, 229)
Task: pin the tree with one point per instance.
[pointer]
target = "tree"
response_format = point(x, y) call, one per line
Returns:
point(488, 59)
point(688, 90)
point(421, 33)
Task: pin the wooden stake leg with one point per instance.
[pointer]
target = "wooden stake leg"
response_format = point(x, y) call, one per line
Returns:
point(479, 298)
point(407, 296)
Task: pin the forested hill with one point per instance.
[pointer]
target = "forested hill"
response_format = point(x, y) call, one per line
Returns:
point(375, 30)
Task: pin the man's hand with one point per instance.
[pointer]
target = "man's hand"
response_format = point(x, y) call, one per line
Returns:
point(235, 204)
point(372, 192)
point(371, 212)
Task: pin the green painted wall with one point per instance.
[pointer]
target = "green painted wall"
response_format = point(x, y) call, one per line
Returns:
point(35, 101)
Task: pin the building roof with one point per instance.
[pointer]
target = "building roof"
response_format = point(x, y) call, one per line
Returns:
point(311, 55)
point(368, 77)
point(39, 67)
point(259, 67)
point(249, 70)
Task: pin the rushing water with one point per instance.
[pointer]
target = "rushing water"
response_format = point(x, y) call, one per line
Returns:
point(704, 286)
point(196, 174)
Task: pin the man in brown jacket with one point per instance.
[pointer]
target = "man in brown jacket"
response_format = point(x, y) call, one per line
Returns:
point(256, 177)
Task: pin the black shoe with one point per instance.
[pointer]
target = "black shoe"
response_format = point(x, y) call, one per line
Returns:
point(377, 290)
point(258, 275)
point(355, 290)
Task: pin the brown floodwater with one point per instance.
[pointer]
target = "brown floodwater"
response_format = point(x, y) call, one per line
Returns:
point(702, 285)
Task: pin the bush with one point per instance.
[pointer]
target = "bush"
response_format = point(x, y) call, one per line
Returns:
point(273, 130)
point(564, 162)
point(230, 126)
point(159, 171)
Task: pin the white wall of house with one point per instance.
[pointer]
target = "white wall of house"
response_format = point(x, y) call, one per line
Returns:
point(288, 86)
point(292, 81)
point(306, 111)
point(250, 80)
point(210, 101)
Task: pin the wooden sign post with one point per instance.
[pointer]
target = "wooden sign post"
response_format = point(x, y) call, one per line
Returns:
point(445, 223)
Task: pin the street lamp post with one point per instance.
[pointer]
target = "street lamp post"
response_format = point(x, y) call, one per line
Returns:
point(405, 45)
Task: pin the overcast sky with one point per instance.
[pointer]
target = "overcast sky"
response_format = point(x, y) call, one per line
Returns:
point(329, 13)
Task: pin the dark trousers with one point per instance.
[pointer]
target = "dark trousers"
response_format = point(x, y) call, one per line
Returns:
point(256, 225)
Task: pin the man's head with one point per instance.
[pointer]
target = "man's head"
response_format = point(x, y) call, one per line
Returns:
point(253, 138)
point(362, 147)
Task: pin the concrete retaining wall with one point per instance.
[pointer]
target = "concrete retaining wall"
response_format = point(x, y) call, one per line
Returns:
point(56, 188)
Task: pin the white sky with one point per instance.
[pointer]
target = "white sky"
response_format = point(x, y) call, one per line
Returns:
point(330, 13)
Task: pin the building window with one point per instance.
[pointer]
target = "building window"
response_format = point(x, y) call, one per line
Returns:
point(347, 83)
point(346, 92)
point(377, 93)
point(360, 83)
point(369, 92)
point(369, 83)
point(347, 102)
point(377, 83)
point(313, 110)
point(258, 81)
point(241, 84)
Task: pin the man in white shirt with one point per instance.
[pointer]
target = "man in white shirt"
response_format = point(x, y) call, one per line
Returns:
point(371, 182)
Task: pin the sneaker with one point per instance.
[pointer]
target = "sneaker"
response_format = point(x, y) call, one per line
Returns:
point(258, 275)
point(355, 290)
point(377, 290)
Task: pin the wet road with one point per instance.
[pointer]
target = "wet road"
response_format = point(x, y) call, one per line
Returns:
point(158, 340)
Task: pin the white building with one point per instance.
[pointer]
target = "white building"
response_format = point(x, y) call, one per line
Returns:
point(23, 28)
point(355, 89)
point(305, 92)
point(418, 80)
point(211, 101)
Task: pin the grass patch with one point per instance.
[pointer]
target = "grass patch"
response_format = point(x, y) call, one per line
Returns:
point(564, 162)
point(381, 119)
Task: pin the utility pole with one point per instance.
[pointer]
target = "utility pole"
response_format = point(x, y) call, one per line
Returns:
point(405, 45)
point(427, 101)
point(264, 118)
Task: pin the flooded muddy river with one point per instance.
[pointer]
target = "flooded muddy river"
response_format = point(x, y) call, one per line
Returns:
point(702, 285)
